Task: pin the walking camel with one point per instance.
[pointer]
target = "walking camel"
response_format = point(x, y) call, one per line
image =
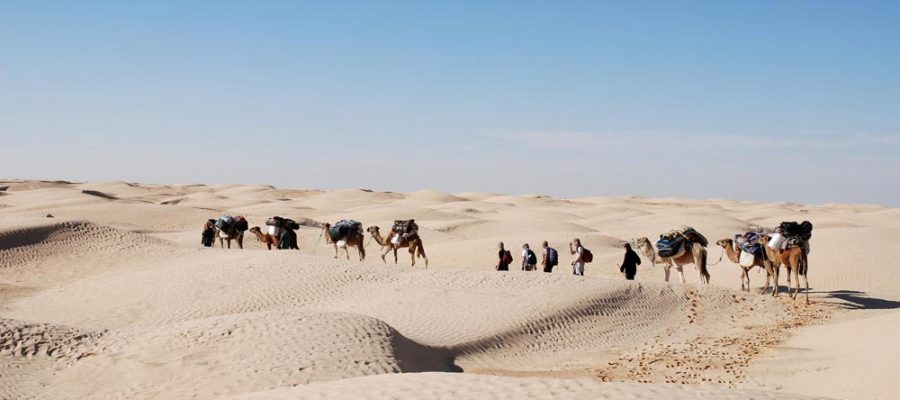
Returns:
point(416, 248)
point(796, 262)
point(734, 254)
point(354, 238)
point(696, 255)
point(269, 240)
point(233, 234)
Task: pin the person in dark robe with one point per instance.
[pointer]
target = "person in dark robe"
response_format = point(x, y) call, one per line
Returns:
point(630, 263)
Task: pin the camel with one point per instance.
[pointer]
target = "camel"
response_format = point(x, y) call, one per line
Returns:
point(233, 234)
point(758, 261)
point(354, 238)
point(269, 240)
point(796, 262)
point(696, 256)
point(416, 247)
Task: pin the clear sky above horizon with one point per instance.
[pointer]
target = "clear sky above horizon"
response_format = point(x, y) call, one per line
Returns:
point(758, 100)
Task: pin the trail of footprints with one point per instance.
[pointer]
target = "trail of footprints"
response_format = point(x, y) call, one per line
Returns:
point(709, 358)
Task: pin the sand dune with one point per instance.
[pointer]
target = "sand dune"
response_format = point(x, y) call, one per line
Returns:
point(113, 297)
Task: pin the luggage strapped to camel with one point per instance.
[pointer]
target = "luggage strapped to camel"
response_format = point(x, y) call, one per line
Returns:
point(405, 228)
point(344, 227)
point(675, 242)
point(229, 224)
point(795, 235)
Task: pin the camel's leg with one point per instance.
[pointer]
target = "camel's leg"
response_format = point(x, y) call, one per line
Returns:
point(240, 241)
point(796, 272)
point(421, 252)
point(362, 252)
point(747, 278)
point(384, 253)
point(788, 274)
point(805, 270)
point(806, 285)
point(668, 269)
point(347, 251)
point(768, 267)
point(395, 256)
point(412, 255)
point(775, 272)
point(335, 251)
point(681, 274)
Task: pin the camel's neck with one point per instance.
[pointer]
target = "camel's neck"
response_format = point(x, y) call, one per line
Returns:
point(377, 237)
point(650, 253)
point(732, 254)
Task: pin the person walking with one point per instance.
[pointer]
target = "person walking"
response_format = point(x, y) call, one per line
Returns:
point(577, 249)
point(505, 258)
point(529, 259)
point(550, 258)
point(630, 263)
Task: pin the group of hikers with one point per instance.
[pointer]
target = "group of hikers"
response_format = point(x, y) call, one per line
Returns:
point(550, 259)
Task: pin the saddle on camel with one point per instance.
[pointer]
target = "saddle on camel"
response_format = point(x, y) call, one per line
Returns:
point(750, 248)
point(231, 228)
point(344, 228)
point(232, 225)
point(675, 242)
point(283, 230)
point(790, 234)
point(404, 229)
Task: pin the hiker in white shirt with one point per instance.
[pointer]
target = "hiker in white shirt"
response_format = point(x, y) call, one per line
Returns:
point(577, 249)
point(529, 259)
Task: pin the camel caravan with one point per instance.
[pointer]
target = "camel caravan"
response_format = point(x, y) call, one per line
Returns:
point(281, 234)
point(786, 246)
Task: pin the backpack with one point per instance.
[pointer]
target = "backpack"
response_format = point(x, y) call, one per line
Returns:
point(552, 257)
point(507, 258)
point(532, 258)
point(586, 255)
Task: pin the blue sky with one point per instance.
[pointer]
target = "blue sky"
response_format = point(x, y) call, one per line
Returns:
point(780, 100)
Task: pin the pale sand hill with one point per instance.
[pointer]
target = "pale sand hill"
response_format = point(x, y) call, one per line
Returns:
point(115, 298)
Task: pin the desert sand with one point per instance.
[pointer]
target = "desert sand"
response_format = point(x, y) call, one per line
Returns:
point(106, 293)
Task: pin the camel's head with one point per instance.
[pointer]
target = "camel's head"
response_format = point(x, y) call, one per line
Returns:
point(640, 242)
point(255, 229)
point(326, 226)
point(724, 243)
point(373, 229)
point(643, 245)
point(764, 239)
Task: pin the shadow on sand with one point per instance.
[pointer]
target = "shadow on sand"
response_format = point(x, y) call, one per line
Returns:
point(856, 300)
